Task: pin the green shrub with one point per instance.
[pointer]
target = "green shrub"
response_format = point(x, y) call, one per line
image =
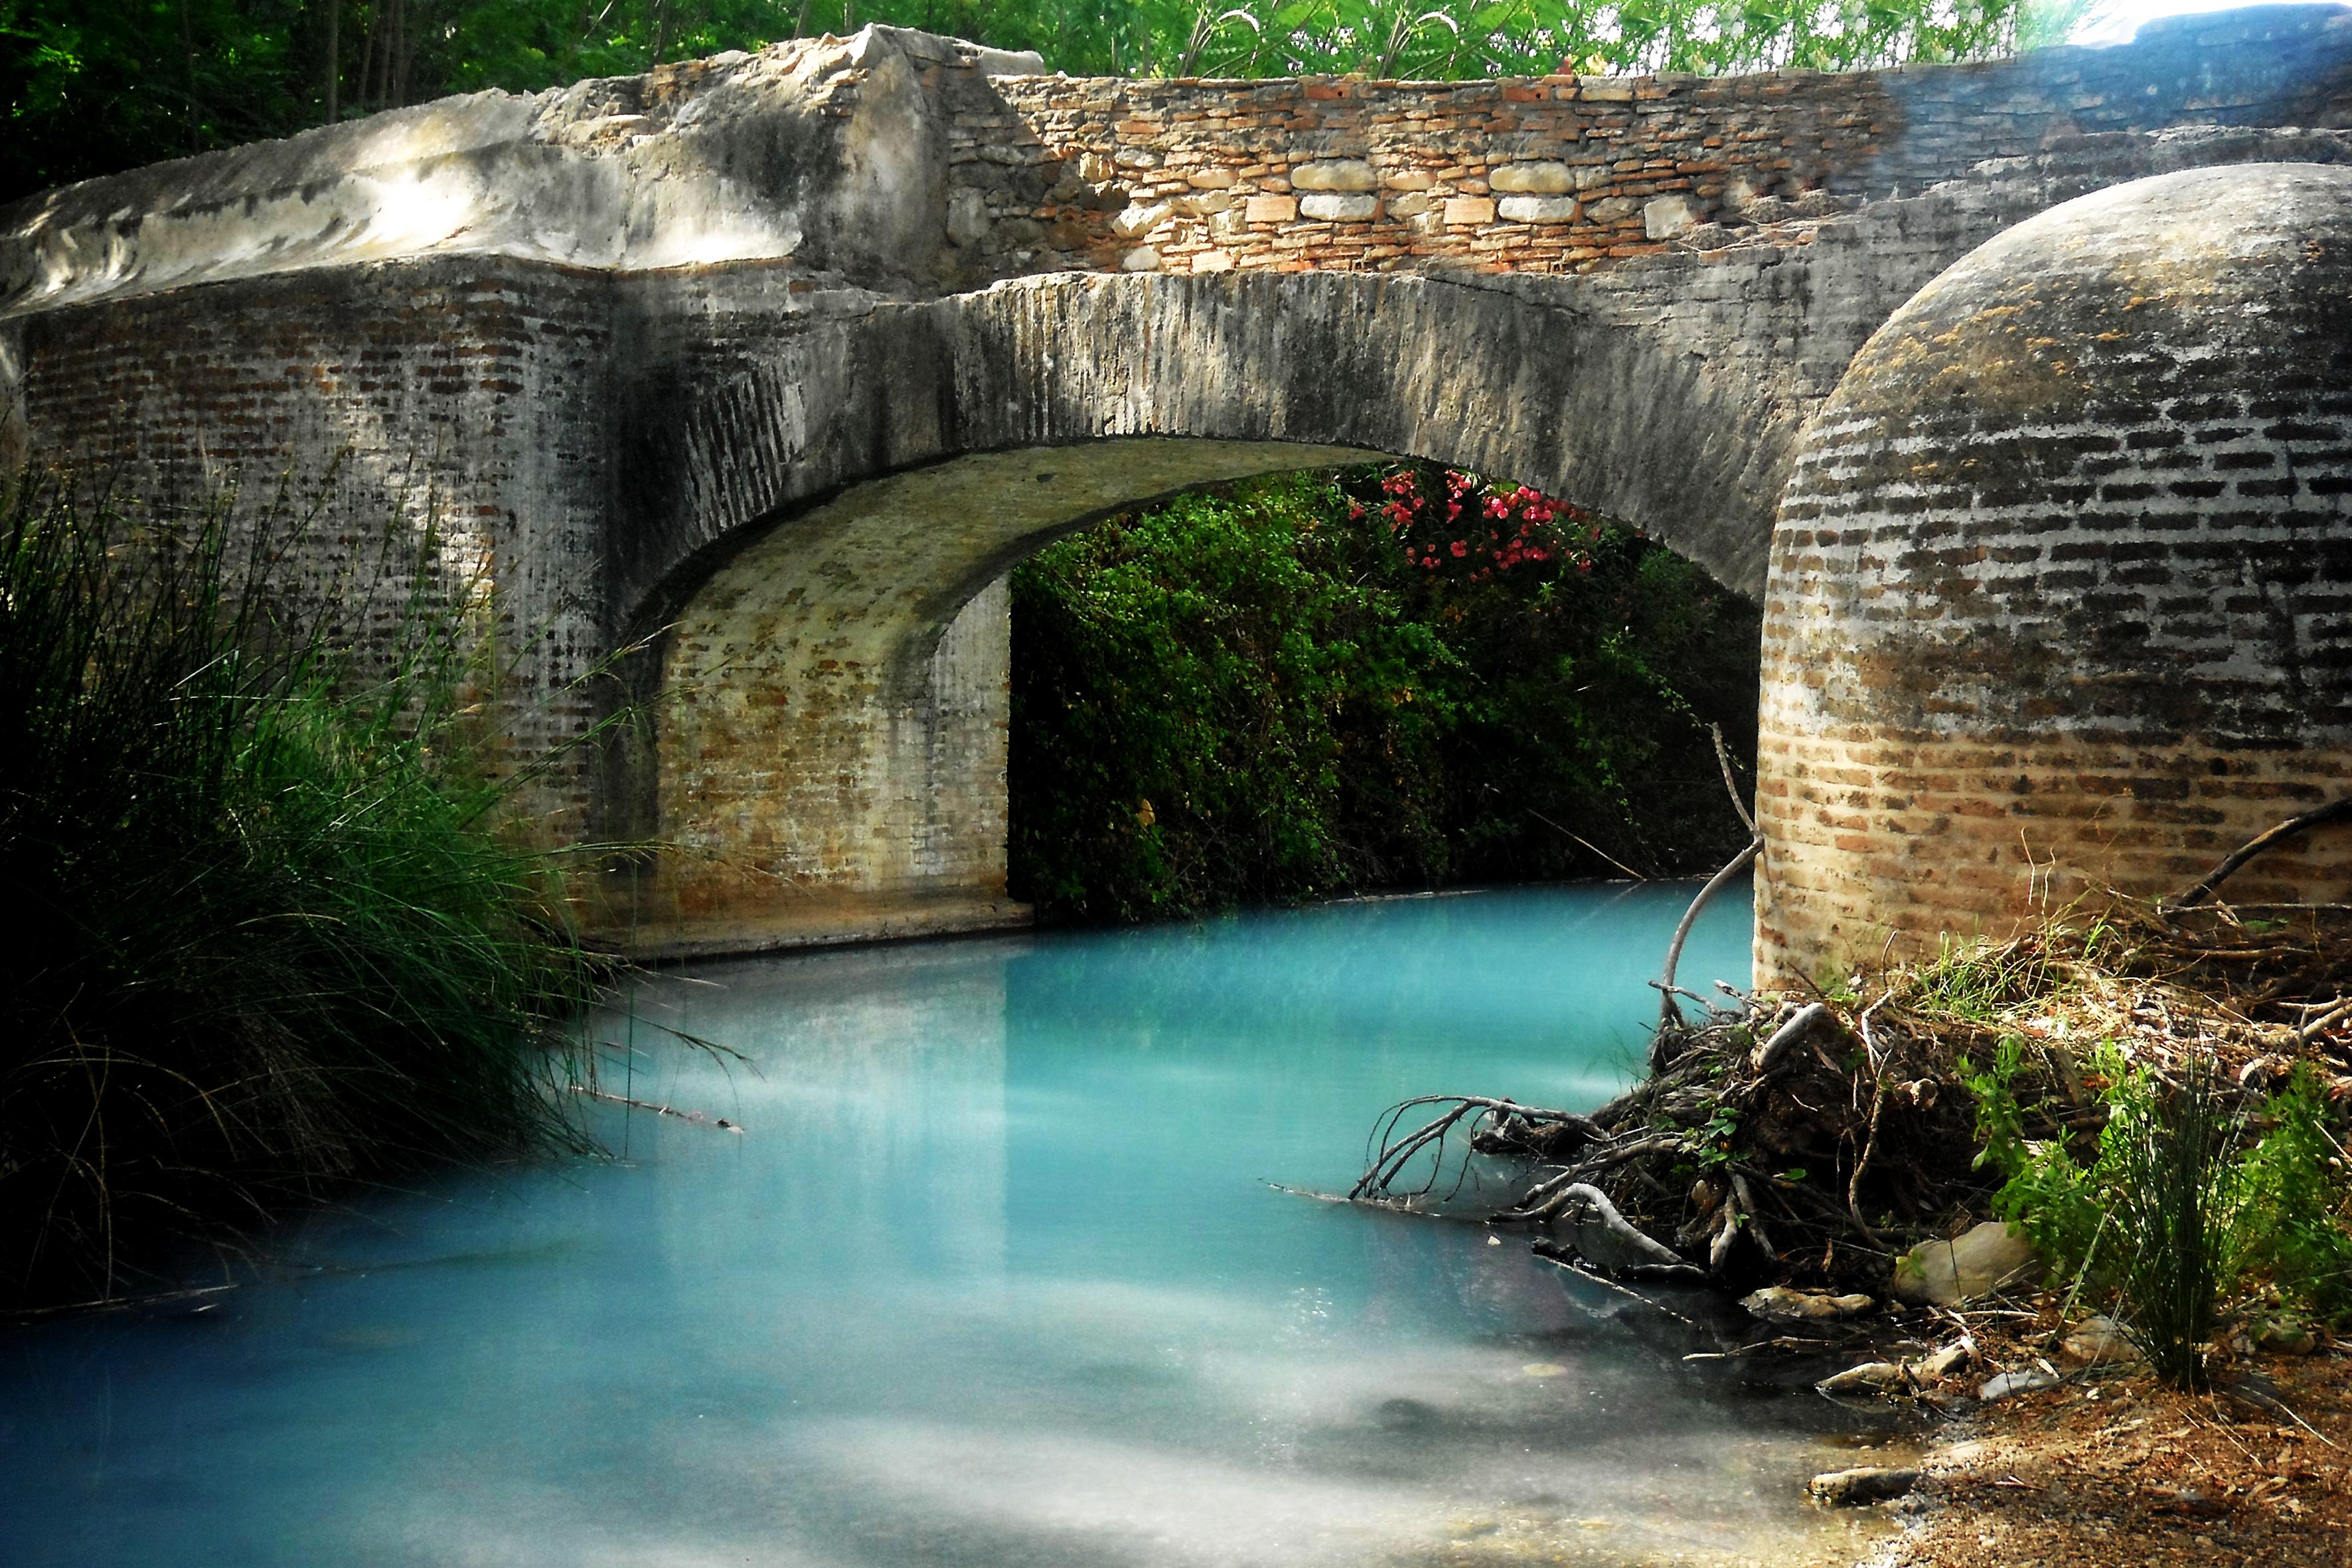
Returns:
point(2174, 1211)
point(1313, 684)
point(267, 942)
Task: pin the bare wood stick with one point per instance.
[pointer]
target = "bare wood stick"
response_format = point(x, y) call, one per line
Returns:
point(1768, 1056)
point(1730, 780)
point(1877, 1104)
point(1596, 849)
point(2319, 817)
point(1668, 1013)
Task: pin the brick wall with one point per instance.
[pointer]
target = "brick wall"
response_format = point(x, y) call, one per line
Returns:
point(1562, 172)
point(2062, 592)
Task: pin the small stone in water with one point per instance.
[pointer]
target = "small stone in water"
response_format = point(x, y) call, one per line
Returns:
point(1777, 1303)
point(1870, 1377)
point(1852, 1488)
point(1543, 1369)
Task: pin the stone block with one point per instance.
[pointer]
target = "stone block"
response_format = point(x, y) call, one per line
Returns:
point(1611, 209)
point(1210, 179)
point(1411, 204)
point(1328, 206)
point(967, 218)
point(1986, 1259)
point(1461, 212)
point(1214, 262)
point(1140, 219)
point(1532, 179)
point(1334, 174)
point(1142, 258)
point(1662, 218)
point(1537, 209)
point(1409, 179)
point(1270, 209)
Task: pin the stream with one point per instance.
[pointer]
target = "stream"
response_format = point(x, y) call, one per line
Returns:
point(999, 1270)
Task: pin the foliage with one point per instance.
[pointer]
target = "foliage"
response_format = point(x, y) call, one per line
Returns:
point(2173, 1213)
point(267, 942)
point(89, 89)
point(1404, 675)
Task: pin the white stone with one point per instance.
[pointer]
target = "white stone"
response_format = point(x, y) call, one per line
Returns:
point(1326, 207)
point(967, 218)
point(1412, 204)
point(1537, 209)
point(1988, 1258)
point(1532, 179)
point(1613, 209)
point(1142, 258)
point(1334, 174)
point(2029, 1381)
point(1666, 217)
point(1140, 218)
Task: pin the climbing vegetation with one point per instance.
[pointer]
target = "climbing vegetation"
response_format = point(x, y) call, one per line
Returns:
point(1313, 684)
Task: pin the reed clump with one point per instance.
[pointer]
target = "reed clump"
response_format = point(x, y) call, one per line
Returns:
point(267, 939)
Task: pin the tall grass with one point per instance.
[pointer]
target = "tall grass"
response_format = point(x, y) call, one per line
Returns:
point(267, 940)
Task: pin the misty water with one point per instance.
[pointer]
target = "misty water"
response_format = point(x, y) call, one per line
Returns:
point(999, 1270)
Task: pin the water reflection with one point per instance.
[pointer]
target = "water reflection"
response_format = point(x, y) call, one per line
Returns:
point(993, 1276)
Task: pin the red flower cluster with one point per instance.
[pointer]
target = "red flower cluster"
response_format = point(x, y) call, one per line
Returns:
point(1524, 527)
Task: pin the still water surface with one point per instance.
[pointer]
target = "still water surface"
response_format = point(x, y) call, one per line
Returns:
point(993, 1274)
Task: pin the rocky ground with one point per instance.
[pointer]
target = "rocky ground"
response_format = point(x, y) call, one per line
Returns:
point(2107, 1467)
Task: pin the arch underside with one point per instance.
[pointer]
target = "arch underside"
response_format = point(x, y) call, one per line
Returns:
point(829, 753)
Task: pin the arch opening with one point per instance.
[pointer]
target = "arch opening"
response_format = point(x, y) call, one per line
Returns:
point(827, 758)
point(830, 745)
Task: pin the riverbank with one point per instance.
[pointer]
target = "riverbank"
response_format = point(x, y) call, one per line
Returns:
point(2110, 1467)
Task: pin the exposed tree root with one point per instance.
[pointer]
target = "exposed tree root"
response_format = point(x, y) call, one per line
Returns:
point(1807, 1139)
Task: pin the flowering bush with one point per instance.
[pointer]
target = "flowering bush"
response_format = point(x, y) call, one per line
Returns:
point(1476, 528)
point(1394, 676)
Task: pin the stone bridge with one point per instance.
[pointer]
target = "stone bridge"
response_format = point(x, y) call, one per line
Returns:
point(767, 367)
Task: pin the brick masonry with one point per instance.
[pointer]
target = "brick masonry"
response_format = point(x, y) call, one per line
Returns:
point(712, 357)
point(2061, 594)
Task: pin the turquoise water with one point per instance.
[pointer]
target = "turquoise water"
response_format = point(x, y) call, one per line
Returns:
point(992, 1274)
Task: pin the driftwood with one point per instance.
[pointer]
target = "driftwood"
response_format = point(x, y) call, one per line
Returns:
point(1807, 1141)
point(2294, 826)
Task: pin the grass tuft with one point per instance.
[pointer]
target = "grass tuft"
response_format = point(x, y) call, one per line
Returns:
point(270, 942)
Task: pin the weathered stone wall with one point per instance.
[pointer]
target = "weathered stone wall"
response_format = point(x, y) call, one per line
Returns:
point(2061, 594)
point(717, 357)
point(1566, 172)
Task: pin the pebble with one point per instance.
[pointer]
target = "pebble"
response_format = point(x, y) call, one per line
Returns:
point(1852, 1488)
point(2029, 1381)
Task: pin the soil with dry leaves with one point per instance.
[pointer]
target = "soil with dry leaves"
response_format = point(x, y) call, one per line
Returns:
point(2111, 1468)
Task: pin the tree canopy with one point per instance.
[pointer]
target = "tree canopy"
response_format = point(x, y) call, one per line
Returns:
point(88, 90)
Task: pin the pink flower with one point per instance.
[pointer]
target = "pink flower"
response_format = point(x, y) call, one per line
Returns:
point(1460, 550)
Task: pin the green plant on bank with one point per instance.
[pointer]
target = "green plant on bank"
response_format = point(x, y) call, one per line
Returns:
point(88, 90)
point(2175, 1210)
point(1395, 676)
point(267, 942)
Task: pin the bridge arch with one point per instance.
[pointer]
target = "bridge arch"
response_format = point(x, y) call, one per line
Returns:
point(826, 744)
